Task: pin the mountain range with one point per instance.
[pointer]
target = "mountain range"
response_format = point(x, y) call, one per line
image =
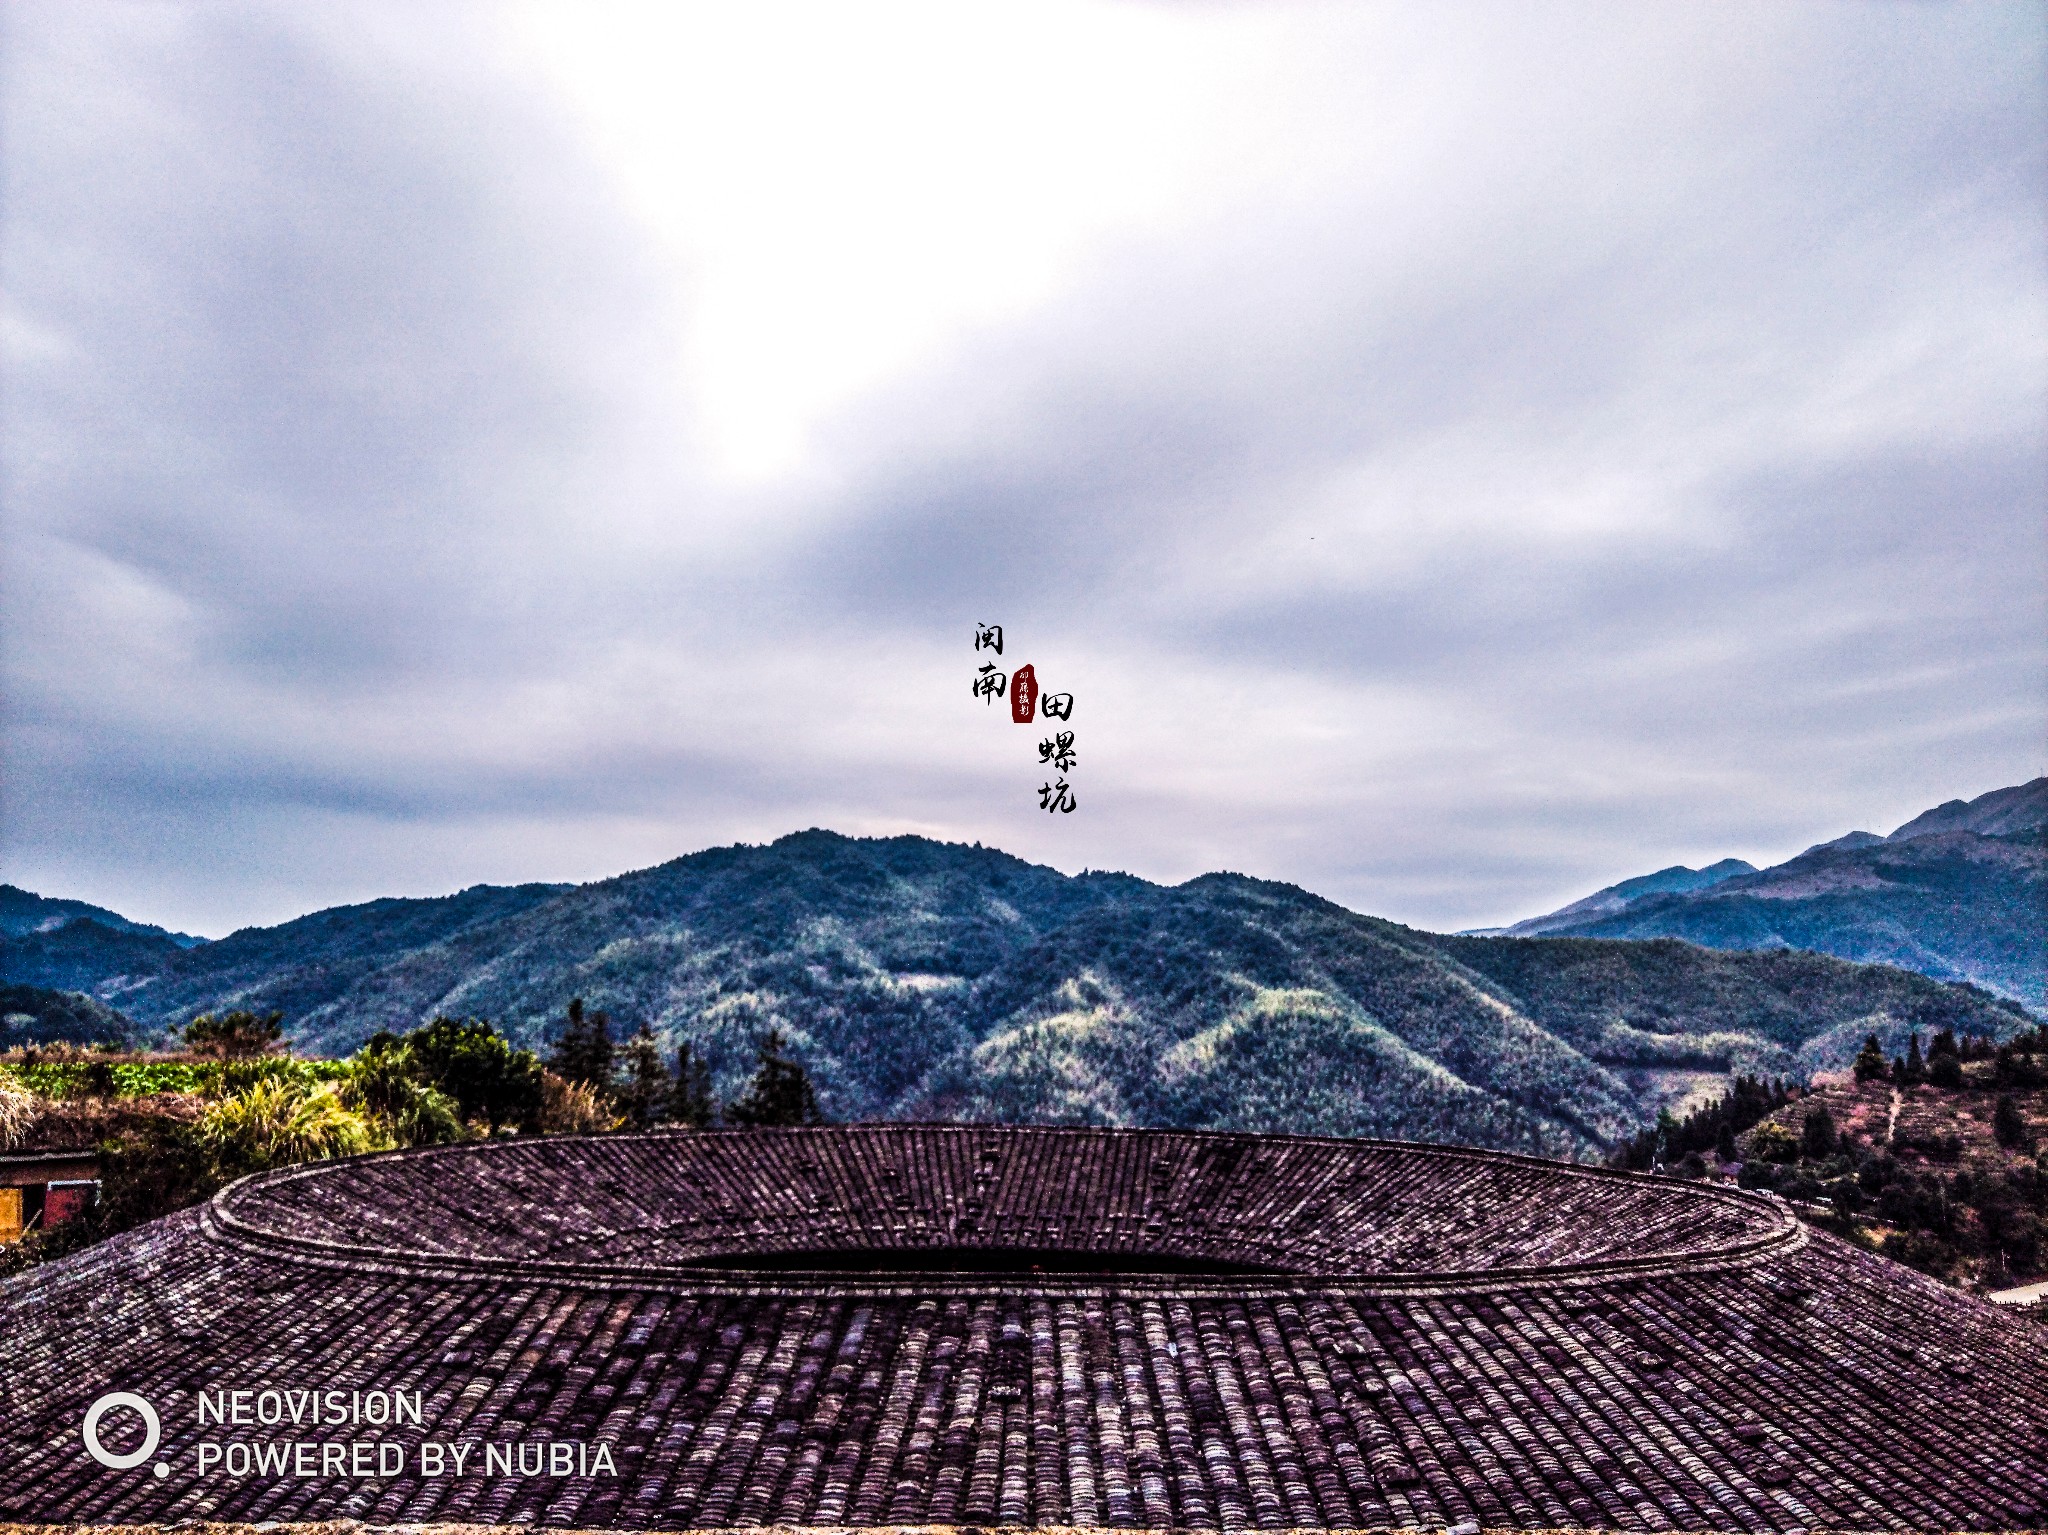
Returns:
point(22, 913)
point(919, 979)
point(1960, 893)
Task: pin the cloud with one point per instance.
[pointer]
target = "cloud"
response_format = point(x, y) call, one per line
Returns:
point(1457, 456)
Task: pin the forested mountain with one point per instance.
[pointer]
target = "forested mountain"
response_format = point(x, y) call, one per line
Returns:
point(23, 911)
point(924, 979)
point(84, 955)
point(36, 1015)
point(1960, 892)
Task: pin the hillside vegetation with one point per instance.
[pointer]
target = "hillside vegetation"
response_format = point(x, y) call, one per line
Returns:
point(1959, 893)
point(170, 1129)
point(915, 978)
point(37, 1015)
point(1939, 1161)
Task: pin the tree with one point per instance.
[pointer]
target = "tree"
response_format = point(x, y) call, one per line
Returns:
point(1870, 1065)
point(780, 1092)
point(151, 1169)
point(477, 1067)
point(383, 1083)
point(1717, 1124)
point(690, 1101)
point(2016, 1066)
point(1773, 1143)
point(1945, 1071)
point(235, 1035)
point(1817, 1138)
point(2008, 1124)
point(583, 1053)
point(1912, 1069)
point(644, 1097)
point(1944, 1062)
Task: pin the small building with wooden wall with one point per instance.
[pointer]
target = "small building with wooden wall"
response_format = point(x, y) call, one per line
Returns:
point(39, 1189)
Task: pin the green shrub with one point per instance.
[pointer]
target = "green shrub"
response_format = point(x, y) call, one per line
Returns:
point(139, 1079)
point(236, 1034)
point(277, 1122)
point(125, 1079)
point(1773, 1143)
point(476, 1068)
point(237, 1076)
point(382, 1085)
point(50, 1079)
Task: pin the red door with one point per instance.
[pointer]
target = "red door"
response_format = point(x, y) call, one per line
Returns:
point(62, 1201)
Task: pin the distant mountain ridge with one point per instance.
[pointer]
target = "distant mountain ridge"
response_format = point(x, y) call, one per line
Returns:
point(1960, 893)
point(931, 980)
point(23, 912)
point(1676, 880)
point(2001, 813)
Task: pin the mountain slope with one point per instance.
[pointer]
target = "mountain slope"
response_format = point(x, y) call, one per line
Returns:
point(1954, 905)
point(23, 912)
point(85, 955)
point(923, 979)
point(1676, 880)
point(35, 1015)
point(1960, 893)
point(2001, 813)
point(1237, 1003)
point(310, 967)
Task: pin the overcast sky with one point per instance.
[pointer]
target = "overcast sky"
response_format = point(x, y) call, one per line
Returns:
point(1456, 456)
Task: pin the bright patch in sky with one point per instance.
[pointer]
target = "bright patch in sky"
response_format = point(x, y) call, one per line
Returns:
point(843, 191)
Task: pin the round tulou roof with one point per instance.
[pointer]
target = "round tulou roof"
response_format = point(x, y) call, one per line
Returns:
point(978, 1325)
point(888, 1199)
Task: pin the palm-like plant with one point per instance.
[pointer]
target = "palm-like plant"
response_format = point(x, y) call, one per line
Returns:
point(279, 1122)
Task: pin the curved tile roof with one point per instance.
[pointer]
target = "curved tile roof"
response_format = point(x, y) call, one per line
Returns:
point(1243, 1332)
point(992, 1199)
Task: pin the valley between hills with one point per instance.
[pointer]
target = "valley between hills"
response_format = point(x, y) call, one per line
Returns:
point(933, 981)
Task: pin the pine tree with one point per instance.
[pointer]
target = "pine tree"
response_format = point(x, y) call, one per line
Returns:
point(644, 1096)
point(1945, 1070)
point(690, 1101)
point(2008, 1124)
point(583, 1053)
point(780, 1092)
point(1912, 1069)
point(1870, 1066)
point(1817, 1140)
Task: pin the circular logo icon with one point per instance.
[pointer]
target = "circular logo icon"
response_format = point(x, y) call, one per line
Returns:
point(93, 1414)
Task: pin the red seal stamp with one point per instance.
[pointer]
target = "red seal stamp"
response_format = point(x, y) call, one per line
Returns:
point(1023, 694)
